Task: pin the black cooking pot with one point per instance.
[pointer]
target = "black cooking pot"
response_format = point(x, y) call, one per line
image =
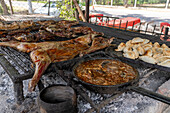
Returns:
point(57, 99)
point(115, 89)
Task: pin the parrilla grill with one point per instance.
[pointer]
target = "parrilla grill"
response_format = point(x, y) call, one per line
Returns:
point(28, 73)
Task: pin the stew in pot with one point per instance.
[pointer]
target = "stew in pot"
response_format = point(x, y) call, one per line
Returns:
point(105, 72)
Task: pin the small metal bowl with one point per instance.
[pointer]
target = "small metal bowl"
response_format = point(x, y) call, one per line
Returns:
point(57, 99)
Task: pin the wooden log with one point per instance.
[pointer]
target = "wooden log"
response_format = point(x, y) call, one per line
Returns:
point(77, 15)
point(49, 7)
point(167, 3)
point(87, 10)
point(79, 10)
point(11, 8)
point(30, 7)
point(4, 6)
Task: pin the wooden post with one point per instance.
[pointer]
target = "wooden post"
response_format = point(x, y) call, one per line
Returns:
point(10, 3)
point(87, 10)
point(79, 10)
point(111, 2)
point(77, 15)
point(49, 7)
point(167, 3)
point(30, 7)
point(104, 2)
point(135, 3)
point(5, 9)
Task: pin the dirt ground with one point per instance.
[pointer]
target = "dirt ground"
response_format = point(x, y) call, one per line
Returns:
point(18, 17)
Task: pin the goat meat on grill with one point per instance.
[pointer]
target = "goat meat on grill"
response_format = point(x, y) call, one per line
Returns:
point(16, 25)
point(44, 53)
point(7, 26)
point(61, 24)
point(71, 32)
point(83, 30)
point(44, 35)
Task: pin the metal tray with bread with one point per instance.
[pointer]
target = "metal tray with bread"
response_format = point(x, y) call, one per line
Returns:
point(142, 51)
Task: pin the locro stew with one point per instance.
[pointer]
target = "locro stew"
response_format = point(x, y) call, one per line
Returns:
point(105, 72)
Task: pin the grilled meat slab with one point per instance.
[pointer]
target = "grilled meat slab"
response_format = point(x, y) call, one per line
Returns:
point(44, 53)
point(61, 24)
point(45, 31)
point(71, 32)
point(16, 25)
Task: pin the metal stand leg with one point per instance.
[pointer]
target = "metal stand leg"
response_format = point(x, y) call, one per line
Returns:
point(18, 92)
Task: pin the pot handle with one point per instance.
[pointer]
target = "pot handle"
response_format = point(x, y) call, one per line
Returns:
point(151, 94)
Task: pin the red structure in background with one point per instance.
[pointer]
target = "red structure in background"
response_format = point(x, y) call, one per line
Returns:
point(165, 29)
point(121, 23)
point(164, 24)
point(98, 15)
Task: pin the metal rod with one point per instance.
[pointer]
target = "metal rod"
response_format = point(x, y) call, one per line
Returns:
point(126, 25)
point(96, 20)
point(166, 33)
point(162, 29)
point(154, 29)
point(139, 26)
point(133, 25)
point(146, 28)
point(114, 21)
point(107, 21)
point(120, 24)
point(151, 94)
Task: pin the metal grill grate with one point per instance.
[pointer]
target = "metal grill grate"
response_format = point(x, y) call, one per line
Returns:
point(20, 63)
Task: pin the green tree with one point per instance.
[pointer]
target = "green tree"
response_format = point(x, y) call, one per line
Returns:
point(66, 10)
point(4, 6)
point(1, 11)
